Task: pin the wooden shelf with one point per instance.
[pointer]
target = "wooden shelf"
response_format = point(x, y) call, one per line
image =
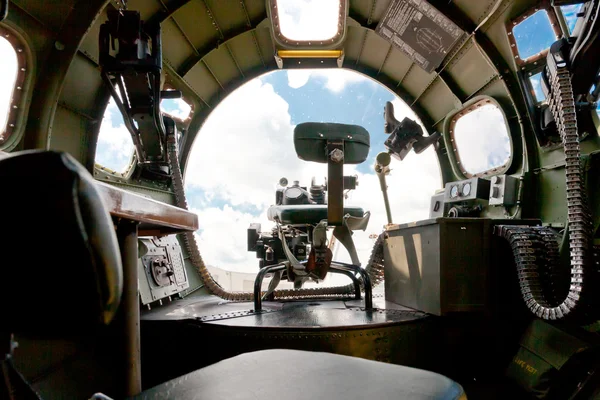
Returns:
point(155, 218)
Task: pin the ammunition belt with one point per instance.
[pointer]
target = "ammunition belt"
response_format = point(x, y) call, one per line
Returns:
point(536, 249)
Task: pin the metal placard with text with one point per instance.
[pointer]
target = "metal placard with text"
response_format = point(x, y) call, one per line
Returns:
point(420, 31)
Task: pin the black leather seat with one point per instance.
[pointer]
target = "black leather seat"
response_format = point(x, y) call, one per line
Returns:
point(301, 375)
point(61, 268)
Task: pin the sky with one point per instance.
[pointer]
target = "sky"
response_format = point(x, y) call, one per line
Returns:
point(8, 74)
point(245, 147)
point(308, 19)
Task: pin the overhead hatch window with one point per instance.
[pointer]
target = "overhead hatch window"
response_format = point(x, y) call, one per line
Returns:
point(480, 139)
point(8, 77)
point(114, 150)
point(306, 20)
point(176, 108)
point(534, 34)
point(570, 13)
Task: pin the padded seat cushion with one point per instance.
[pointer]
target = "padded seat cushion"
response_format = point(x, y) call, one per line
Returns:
point(62, 262)
point(292, 374)
point(306, 213)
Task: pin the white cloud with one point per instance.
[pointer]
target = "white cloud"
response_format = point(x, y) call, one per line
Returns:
point(223, 237)
point(115, 147)
point(176, 108)
point(482, 139)
point(250, 137)
point(335, 79)
point(244, 148)
point(8, 74)
point(308, 19)
point(298, 77)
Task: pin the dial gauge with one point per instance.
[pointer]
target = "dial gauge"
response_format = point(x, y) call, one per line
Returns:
point(466, 189)
point(454, 191)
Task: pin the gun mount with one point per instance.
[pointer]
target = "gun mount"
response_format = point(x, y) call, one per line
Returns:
point(405, 135)
point(297, 248)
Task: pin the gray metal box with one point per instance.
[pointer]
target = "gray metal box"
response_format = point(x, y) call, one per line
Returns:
point(443, 265)
point(438, 265)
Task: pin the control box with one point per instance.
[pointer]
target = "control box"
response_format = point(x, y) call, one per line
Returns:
point(503, 190)
point(468, 189)
point(445, 265)
point(161, 269)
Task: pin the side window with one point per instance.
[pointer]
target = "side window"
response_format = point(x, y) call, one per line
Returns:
point(570, 13)
point(480, 138)
point(532, 33)
point(536, 84)
point(176, 108)
point(12, 76)
point(114, 150)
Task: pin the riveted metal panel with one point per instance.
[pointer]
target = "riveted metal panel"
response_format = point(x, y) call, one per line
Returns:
point(397, 65)
point(416, 80)
point(222, 65)
point(470, 69)
point(379, 10)
point(81, 96)
point(354, 41)
point(228, 15)
point(476, 10)
point(201, 80)
point(40, 11)
point(245, 51)
point(497, 89)
point(89, 45)
point(265, 43)
point(438, 100)
point(178, 49)
point(361, 7)
point(76, 142)
point(496, 32)
point(147, 8)
point(193, 18)
point(373, 52)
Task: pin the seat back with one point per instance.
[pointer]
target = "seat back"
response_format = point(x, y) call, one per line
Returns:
point(63, 275)
point(62, 264)
point(336, 145)
point(311, 140)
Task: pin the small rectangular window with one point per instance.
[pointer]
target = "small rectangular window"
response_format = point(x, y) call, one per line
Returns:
point(570, 13)
point(536, 86)
point(480, 139)
point(308, 23)
point(309, 19)
point(534, 34)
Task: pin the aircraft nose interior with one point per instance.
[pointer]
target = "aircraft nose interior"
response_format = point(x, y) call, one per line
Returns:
point(125, 282)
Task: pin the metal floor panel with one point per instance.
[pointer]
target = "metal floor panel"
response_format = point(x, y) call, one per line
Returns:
point(308, 314)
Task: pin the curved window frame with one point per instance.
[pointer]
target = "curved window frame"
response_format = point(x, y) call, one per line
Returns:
point(17, 116)
point(454, 154)
point(286, 43)
point(544, 6)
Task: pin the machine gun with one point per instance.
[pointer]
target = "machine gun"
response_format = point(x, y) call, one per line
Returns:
point(296, 248)
point(405, 135)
